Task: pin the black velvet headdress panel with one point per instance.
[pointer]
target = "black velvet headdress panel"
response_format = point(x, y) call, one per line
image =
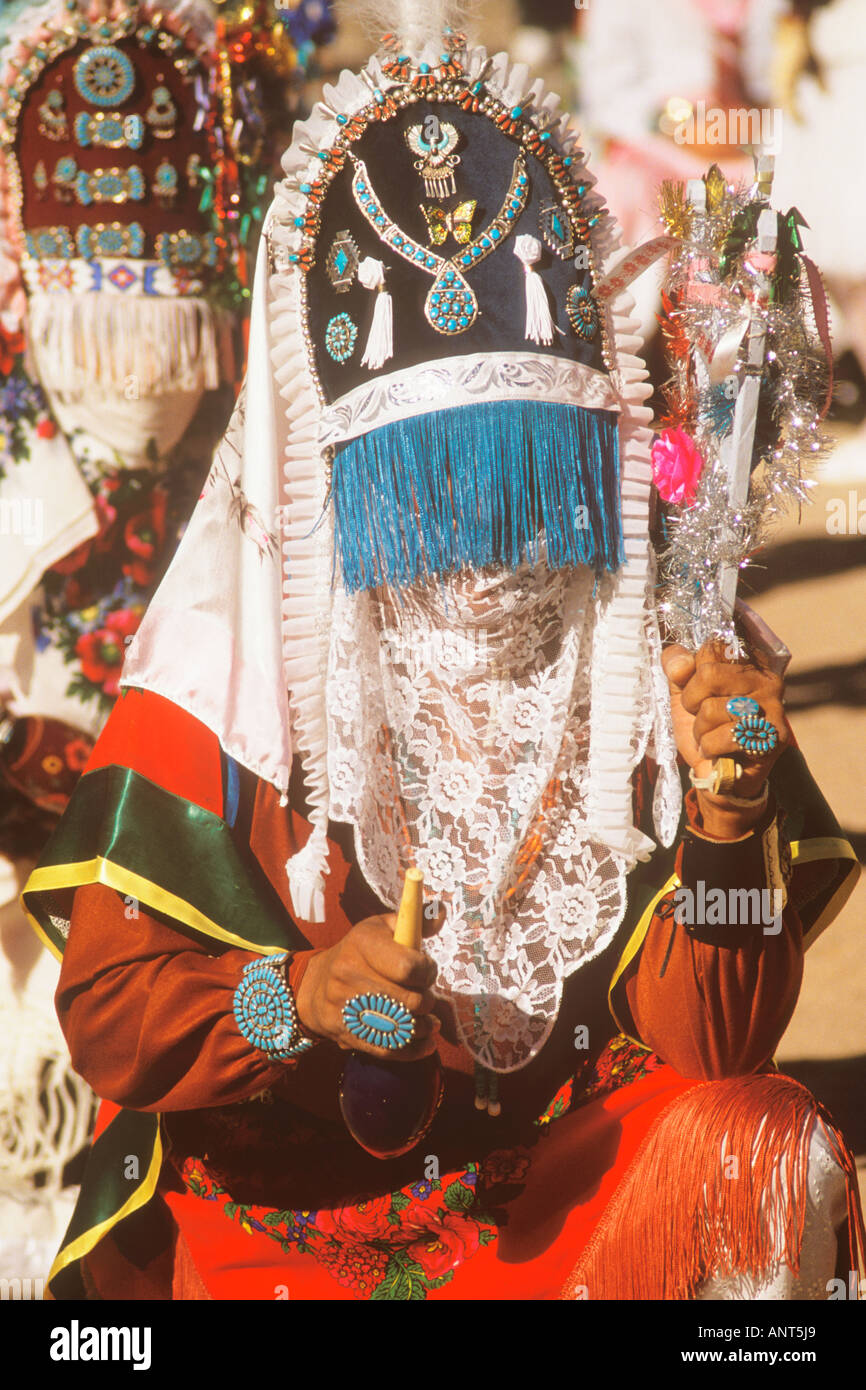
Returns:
point(487, 158)
point(442, 223)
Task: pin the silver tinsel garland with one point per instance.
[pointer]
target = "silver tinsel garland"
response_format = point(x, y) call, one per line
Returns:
point(704, 306)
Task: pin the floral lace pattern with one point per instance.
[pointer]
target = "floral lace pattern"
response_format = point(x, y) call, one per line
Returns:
point(459, 739)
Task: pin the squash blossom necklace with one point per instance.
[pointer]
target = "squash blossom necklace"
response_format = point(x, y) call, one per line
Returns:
point(450, 306)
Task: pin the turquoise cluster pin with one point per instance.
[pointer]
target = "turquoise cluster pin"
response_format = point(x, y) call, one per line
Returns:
point(379, 1020)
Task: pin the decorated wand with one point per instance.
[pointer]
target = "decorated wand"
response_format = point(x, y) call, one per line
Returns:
point(745, 329)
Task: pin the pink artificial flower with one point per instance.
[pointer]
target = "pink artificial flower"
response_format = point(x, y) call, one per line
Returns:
point(677, 467)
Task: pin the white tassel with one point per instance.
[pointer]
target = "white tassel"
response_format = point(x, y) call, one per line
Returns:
point(380, 344)
point(305, 872)
point(539, 323)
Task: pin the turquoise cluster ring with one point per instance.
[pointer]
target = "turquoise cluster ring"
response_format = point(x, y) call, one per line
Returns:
point(742, 704)
point(379, 1020)
point(754, 734)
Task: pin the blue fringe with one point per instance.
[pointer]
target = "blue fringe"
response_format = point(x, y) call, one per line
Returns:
point(481, 482)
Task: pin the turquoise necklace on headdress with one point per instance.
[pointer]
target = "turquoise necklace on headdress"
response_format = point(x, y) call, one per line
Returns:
point(451, 306)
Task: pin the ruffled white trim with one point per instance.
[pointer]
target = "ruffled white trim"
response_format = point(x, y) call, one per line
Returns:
point(631, 619)
point(306, 605)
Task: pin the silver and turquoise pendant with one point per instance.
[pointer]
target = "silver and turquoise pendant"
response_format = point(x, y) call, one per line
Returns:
point(450, 306)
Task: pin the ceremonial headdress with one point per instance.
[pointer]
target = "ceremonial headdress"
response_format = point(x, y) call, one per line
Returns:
point(132, 147)
point(135, 146)
point(422, 562)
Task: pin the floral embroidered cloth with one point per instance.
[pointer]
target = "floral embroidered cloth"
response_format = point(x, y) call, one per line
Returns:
point(408, 1244)
point(95, 597)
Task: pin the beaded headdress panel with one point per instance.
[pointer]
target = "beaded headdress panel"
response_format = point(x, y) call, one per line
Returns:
point(133, 144)
point(443, 221)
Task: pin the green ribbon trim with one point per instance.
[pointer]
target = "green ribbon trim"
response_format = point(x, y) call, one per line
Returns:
point(177, 859)
point(170, 855)
point(789, 246)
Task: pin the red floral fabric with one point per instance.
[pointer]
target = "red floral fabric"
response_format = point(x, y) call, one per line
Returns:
point(408, 1244)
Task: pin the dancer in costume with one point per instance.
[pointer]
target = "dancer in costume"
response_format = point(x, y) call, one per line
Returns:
point(137, 146)
point(452, 662)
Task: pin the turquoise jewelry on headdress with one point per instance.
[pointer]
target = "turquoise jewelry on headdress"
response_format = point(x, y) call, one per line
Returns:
point(341, 335)
point(582, 312)
point(109, 130)
point(104, 76)
point(165, 183)
point(63, 178)
point(49, 243)
point(754, 734)
point(110, 239)
point(342, 262)
point(40, 179)
point(451, 306)
point(52, 117)
point(110, 186)
point(162, 114)
point(556, 230)
point(187, 250)
point(379, 1020)
point(265, 1011)
point(435, 143)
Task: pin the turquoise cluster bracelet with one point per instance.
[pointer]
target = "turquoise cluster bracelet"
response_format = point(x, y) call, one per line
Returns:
point(265, 1011)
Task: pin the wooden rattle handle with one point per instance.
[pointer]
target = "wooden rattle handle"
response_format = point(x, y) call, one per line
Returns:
point(411, 911)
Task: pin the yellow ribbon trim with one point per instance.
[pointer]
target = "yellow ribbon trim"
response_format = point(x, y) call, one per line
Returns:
point(634, 944)
point(802, 852)
point(827, 847)
point(822, 847)
point(83, 1244)
point(99, 870)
